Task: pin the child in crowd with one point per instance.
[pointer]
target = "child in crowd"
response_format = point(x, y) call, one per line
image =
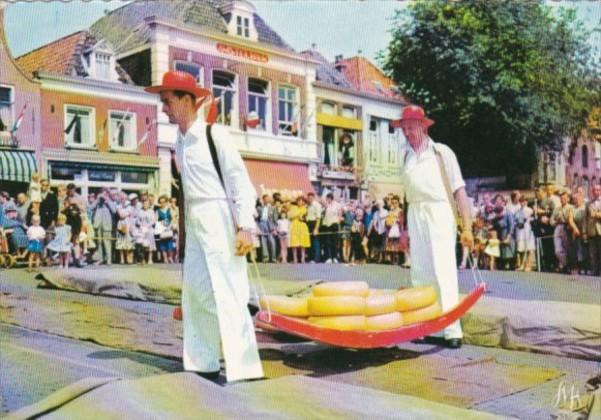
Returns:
point(493, 249)
point(35, 235)
point(35, 190)
point(62, 240)
point(283, 229)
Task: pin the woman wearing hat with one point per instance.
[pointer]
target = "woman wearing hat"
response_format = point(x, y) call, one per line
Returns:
point(433, 186)
point(218, 221)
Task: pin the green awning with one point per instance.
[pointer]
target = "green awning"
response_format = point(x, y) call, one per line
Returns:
point(17, 165)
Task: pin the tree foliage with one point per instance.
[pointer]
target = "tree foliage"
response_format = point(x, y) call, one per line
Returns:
point(500, 78)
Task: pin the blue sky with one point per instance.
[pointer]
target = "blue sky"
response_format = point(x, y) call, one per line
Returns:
point(335, 26)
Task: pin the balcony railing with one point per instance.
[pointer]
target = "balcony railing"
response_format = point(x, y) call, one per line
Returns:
point(8, 139)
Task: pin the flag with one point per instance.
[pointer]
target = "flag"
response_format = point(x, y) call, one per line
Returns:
point(19, 119)
point(252, 119)
point(146, 133)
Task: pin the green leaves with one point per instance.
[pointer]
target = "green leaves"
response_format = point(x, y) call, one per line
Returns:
point(499, 77)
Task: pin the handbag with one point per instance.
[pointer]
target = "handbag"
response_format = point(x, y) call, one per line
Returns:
point(159, 228)
point(167, 233)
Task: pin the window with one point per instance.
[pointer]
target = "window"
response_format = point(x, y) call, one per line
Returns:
point(374, 141)
point(134, 177)
point(191, 68)
point(328, 108)
point(224, 88)
point(242, 26)
point(287, 110)
point(258, 100)
point(584, 156)
point(349, 112)
point(329, 145)
point(80, 126)
point(393, 144)
point(6, 108)
point(103, 66)
point(122, 130)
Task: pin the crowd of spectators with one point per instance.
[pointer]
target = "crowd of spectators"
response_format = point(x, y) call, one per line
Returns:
point(553, 230)
point(61, 227)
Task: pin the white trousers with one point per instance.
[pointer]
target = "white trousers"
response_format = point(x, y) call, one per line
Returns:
point(215, 295)
point(432, 232)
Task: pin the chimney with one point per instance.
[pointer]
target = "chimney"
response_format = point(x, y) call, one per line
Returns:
point(338, 64)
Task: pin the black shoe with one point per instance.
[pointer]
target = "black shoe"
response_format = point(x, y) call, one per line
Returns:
point(453, 343)
point(211, 376)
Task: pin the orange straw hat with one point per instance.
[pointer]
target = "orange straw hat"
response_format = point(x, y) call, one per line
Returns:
point(179, 80)
point(415, 113)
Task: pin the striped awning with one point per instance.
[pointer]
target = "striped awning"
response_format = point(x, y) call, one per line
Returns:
point(17, 165)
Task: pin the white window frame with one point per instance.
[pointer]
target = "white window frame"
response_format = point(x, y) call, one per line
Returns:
point(295, 112)
point(234, 89)
point(326, 109)
point(374, 141)
point(92, 142)
point(393, 144)
point(132, 132)
point(106, 59)
point(242, 26)
point(9, 124)
point(267, 97)
point(349, 107)
point(201, 73)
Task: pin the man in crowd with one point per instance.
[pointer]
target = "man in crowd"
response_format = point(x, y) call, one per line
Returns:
point(330, 228)
point(268, 225)
point(594, 229)
point(313, 219)
point(215, 289)
point(48, 206)
point(104, 210)
point(22, 206)
point(434, 186)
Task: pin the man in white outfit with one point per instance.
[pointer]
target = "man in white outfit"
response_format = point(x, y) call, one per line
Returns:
point(431, 216)
point(218, 223)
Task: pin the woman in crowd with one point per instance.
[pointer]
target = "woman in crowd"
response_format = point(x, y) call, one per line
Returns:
point(394, 226)
point(579, 243)
point(348, 218)
point(125, 222)
point(299, 231)
point(358, 236)
point(504, 225)
point(145, 220)
point(283, 234)
point(163, 217)
point(563, 221)
point(376, 232)
point(526, 244)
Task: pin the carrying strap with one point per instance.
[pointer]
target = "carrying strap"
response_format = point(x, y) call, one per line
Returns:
point(447, 186)
point(215, 158)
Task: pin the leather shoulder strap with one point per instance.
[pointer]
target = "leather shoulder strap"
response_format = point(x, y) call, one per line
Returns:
point(447, 184)
point(214, 156)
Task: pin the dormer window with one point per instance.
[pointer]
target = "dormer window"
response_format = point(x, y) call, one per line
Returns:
point(239, 18)
point(242, 26)
point(103, 65)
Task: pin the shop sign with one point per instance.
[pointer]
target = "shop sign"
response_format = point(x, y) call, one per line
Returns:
point(242, 53)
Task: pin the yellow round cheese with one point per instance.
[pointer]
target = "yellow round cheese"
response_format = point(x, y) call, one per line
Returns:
point(336, 305)
point(379, 292)
point(343, 323)
point(384, 322)
point(380, 304)
point(422, 314)
point(291, 306)
point(415, 298)
point(341, 288)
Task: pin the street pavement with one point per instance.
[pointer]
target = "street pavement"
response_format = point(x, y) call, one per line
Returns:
point(37, 356)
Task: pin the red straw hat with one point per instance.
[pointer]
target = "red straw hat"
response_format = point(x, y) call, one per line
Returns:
point(413, 112)
point(179, 80)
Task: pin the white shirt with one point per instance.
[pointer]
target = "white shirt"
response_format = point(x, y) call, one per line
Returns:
point(36, 233)
point(433, 188)
point(314, 211)
point(332, 214)
point(199, 176)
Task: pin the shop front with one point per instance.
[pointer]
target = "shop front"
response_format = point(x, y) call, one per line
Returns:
point(290, 179)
